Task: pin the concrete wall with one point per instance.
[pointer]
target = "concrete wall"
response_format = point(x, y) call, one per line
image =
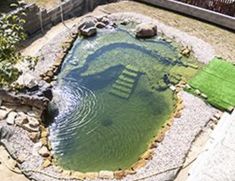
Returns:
point(40, 19)
point(196, 12)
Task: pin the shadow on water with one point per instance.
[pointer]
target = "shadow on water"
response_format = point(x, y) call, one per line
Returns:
point(95, 130)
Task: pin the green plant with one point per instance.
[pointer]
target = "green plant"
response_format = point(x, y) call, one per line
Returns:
point(11, 34)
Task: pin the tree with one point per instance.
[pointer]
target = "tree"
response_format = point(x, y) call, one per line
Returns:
point(11, 34)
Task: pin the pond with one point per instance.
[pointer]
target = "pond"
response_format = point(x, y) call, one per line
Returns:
point(112, 98)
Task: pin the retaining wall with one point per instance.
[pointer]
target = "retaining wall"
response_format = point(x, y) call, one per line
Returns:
point(194, 11)
point(40, 19)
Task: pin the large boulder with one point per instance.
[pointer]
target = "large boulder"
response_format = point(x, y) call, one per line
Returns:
point(87, 27)
point(146, 30)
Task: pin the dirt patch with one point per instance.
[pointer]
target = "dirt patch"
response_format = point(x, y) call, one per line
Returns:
point(47, 4)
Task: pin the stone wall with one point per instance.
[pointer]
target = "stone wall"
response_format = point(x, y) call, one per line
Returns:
point(42, 19)
point(196, 12)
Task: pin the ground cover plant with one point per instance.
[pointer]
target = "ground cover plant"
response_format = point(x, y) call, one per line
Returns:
point(217, 82)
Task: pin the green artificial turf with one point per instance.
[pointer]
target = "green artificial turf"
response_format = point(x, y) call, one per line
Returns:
point(217, 82)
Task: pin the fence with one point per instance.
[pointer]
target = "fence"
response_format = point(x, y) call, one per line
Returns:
point(222, 6)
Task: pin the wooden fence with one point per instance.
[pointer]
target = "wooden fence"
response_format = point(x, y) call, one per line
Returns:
point(222, 6)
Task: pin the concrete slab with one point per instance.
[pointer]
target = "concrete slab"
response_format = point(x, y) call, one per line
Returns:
point(217, 160)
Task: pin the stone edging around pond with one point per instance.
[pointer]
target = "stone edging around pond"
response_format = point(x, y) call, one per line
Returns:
point(47, 167)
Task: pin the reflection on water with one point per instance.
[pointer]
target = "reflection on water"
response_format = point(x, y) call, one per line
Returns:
point(109, 107)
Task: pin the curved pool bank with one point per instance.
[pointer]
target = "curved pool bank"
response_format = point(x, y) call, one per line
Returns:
point(112, 96)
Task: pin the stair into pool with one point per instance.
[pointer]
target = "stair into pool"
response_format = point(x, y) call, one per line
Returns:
point(124, 84)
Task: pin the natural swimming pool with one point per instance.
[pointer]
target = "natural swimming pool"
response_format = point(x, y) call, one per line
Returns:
point(112, 96)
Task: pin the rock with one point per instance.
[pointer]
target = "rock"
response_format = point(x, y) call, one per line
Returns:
point(32, 85)
point(27, 127)
point(146, 30)
point(130, 172)
point(217, 115)
point(50, 73)
point(186, 51)
point(88, 32)
point(204, 96)
point(139, 164)
point(100, 25)
point(119, 174)
point(33, 122)
point(88, 27)
point(46, 163)
point(214, 119)
point(91, 175)
point(173, 88)
point(34, 136)
point(79, 175)
point(44, 151)
point(160, 138)
point(47, 79)
point(187, 86)
point(106, 174)
point(44, 141)
point(197, 92)
point(105, 20)
point(49, 145)
point(5, 132)
point(125, 22)
point(178, 114)
point(67, 172)
point(11, 118)
point(21, 158)
point(21, 119)
point(44, 133)
point(0, 102)
point(147, 155)
point(3, 114)
point(32, 114)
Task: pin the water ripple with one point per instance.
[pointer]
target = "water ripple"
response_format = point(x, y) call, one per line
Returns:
point(76, 105)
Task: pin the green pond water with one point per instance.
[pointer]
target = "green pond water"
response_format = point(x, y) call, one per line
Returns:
point(112, 98)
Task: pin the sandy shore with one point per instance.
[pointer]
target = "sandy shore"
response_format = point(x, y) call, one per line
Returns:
point(170, 154)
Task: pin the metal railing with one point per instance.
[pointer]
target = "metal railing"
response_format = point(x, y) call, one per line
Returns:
point(222, 6)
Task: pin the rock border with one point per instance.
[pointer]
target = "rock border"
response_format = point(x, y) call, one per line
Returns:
point(48, 165)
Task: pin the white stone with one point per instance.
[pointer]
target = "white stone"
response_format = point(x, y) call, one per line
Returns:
point(173, 88)
point(106, 174)
point(146, 30)
point(11, 118)
point(44, 151)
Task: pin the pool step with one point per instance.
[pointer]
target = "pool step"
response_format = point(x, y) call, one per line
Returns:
point(124, 84)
